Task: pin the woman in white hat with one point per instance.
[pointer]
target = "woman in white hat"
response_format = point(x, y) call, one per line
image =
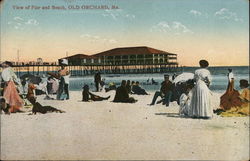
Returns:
point(63, 91)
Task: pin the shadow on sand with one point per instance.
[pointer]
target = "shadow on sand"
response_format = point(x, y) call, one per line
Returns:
point(176, 115)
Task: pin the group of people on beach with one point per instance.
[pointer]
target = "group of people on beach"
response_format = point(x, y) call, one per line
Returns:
point(193, 96)
point(13, 94)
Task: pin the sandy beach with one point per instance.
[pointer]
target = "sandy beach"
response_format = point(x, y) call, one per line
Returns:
point(106, 130)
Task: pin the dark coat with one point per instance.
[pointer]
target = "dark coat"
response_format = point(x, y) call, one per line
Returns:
point(166, 87)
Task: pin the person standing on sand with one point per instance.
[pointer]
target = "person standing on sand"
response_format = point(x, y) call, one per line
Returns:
point(230, 76)
point(10, 93)
point(97, 80)
point(200, 106)
point(63, 90)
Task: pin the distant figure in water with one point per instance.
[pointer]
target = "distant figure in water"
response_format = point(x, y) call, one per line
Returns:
point(121, 94)
point(153, 81)
point(138, 90)
point(88, 96)
point(200, 103)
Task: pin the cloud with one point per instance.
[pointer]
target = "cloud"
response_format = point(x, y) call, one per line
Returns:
point(198, 13)
point(31, 22)
point(175, 27)
point(195, 13)
point(226, 14)
point(95, 38)
point(116, 14)
point(19, 23)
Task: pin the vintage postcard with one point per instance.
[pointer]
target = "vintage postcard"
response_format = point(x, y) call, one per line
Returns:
point(124, 80)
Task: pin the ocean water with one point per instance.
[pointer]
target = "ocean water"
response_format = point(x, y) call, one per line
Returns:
point(219, 78)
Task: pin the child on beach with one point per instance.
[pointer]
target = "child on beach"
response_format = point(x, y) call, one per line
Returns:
point(185, 100)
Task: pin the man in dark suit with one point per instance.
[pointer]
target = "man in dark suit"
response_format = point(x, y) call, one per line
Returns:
point(165, 91)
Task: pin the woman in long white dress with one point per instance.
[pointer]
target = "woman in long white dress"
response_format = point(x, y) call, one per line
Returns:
point(200, 103)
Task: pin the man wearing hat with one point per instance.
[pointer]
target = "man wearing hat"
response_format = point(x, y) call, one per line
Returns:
point(63, 91)
point(165, 91)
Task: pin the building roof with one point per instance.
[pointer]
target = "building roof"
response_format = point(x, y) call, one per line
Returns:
point(79, 56)
point(141, 50)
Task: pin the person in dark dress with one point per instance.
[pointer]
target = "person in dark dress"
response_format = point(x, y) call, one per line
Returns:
point(165, 91)
point(88, 96)
point(122, 95)
point(97, 80)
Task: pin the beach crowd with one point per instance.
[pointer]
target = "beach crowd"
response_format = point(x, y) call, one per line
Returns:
point(191, 93)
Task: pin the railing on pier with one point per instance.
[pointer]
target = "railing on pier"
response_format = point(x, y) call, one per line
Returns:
point(83, 70)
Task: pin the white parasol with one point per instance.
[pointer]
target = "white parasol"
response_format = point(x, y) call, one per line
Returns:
point(183, 77)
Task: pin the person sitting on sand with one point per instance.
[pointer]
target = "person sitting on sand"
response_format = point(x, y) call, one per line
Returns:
point(243, 109)
point(10, 93)
point(88, 96)
point(4, 106)
point(128, 86)
point(31, 94)
point(185, 100)
point(121, 94)
point(165, 91)
point(112, 86)
point(138, 90)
